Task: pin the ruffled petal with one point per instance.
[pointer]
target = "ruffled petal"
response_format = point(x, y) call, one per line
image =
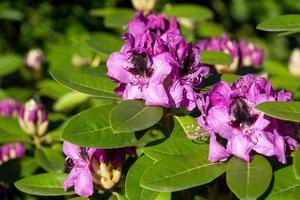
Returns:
point(240, 146)
point(133, 92)
point(116, 65)
point(279, 147)
point(162, 64)
point(216, 151)
point(155, 95)
point(84, 183)
point(218, 121)
point(220, 94)
point(71, 151)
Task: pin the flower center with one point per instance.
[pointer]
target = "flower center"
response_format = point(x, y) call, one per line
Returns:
point(188, 63)
point(240, 111)
point(139, 61)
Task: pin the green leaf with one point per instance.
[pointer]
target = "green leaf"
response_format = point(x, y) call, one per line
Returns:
point(28, 166)
point(10, 131)
point(9, 63)
point(281, 23)
point(51, 89)
point(48, 184)
point(296, 163)
point(186, 126)
point(289, 111)
point(174, 146)
point(49, 159)
point(105, 43)
point(86, 83)
point(134, 115)
point(190, 11)
point(69, 101)
point(215, 57)
point(112, 17)
point(132, 184)
point(181, 172)
point(230, 78)
point(11, 14)
point(285, 186)
point(248, 180)
point(91, 128)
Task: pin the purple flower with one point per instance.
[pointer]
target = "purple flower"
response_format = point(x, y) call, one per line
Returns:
point(33, 118)
point(34, 59)
point(157, 24)
point(9, 107)
point(11, 151)
point(250, 54)
point(294, 63)
point(189, 74)
point(225, 45)
point(141, 68)
point(91, 166)
point(229, 111)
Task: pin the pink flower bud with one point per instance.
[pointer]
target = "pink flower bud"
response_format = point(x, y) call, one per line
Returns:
point(34, 59)
point(33, 118)
point(294, 63)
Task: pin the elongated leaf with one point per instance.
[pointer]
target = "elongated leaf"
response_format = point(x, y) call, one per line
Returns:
point(248, 180)
point(174, 146)
point(69, 101)
point(215, 57)
point(86, 83)
point(10, 131)
point(51, 88)
point(285, 186)
point(289, 111)
point(91, 128)
point(186, 126)
point(49, 159)
point(190, 11)
point(48, 184)
point(181, 172)
point(113, 19)
point(134, 115)
point(9, 63)
point(132, 184)
point(296, 164)
point(281, 23)
point(28, 166)
point(105, 43)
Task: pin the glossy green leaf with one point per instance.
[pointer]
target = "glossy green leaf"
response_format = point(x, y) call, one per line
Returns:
point(248, 180)
point(9, 63)
point(105, 43)
point(174, 146)
point(86, 83)
point(285, 186)
point(48, 184)
point(289, 111)
point(281, 23)
point(70, 101)
point(190, 11)
point(10, 131)
point(28, 166)
point(132, 184)
point(186, 126)
point(215, 57)
point(181, 172)
point(113, 19)
point(91, 128)
point(296, 163)
point(134, 115)
point(49, 159)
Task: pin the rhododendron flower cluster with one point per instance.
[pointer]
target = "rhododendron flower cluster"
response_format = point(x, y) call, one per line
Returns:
point(9, 107)
point(91, 166)
point(228, 113)
point(243, 53)
point(156, 64)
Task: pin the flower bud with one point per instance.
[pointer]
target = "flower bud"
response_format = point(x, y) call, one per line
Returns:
point(250, 54)
point(294, 63)
point(33, 118)
point(9, 107)
point(11, 151)
point(34, 59)
point(145, 5)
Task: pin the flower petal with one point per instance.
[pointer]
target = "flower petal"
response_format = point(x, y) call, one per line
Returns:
point(240, 146)
point(216, 151)
point(116, 65)
point(84, 183)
